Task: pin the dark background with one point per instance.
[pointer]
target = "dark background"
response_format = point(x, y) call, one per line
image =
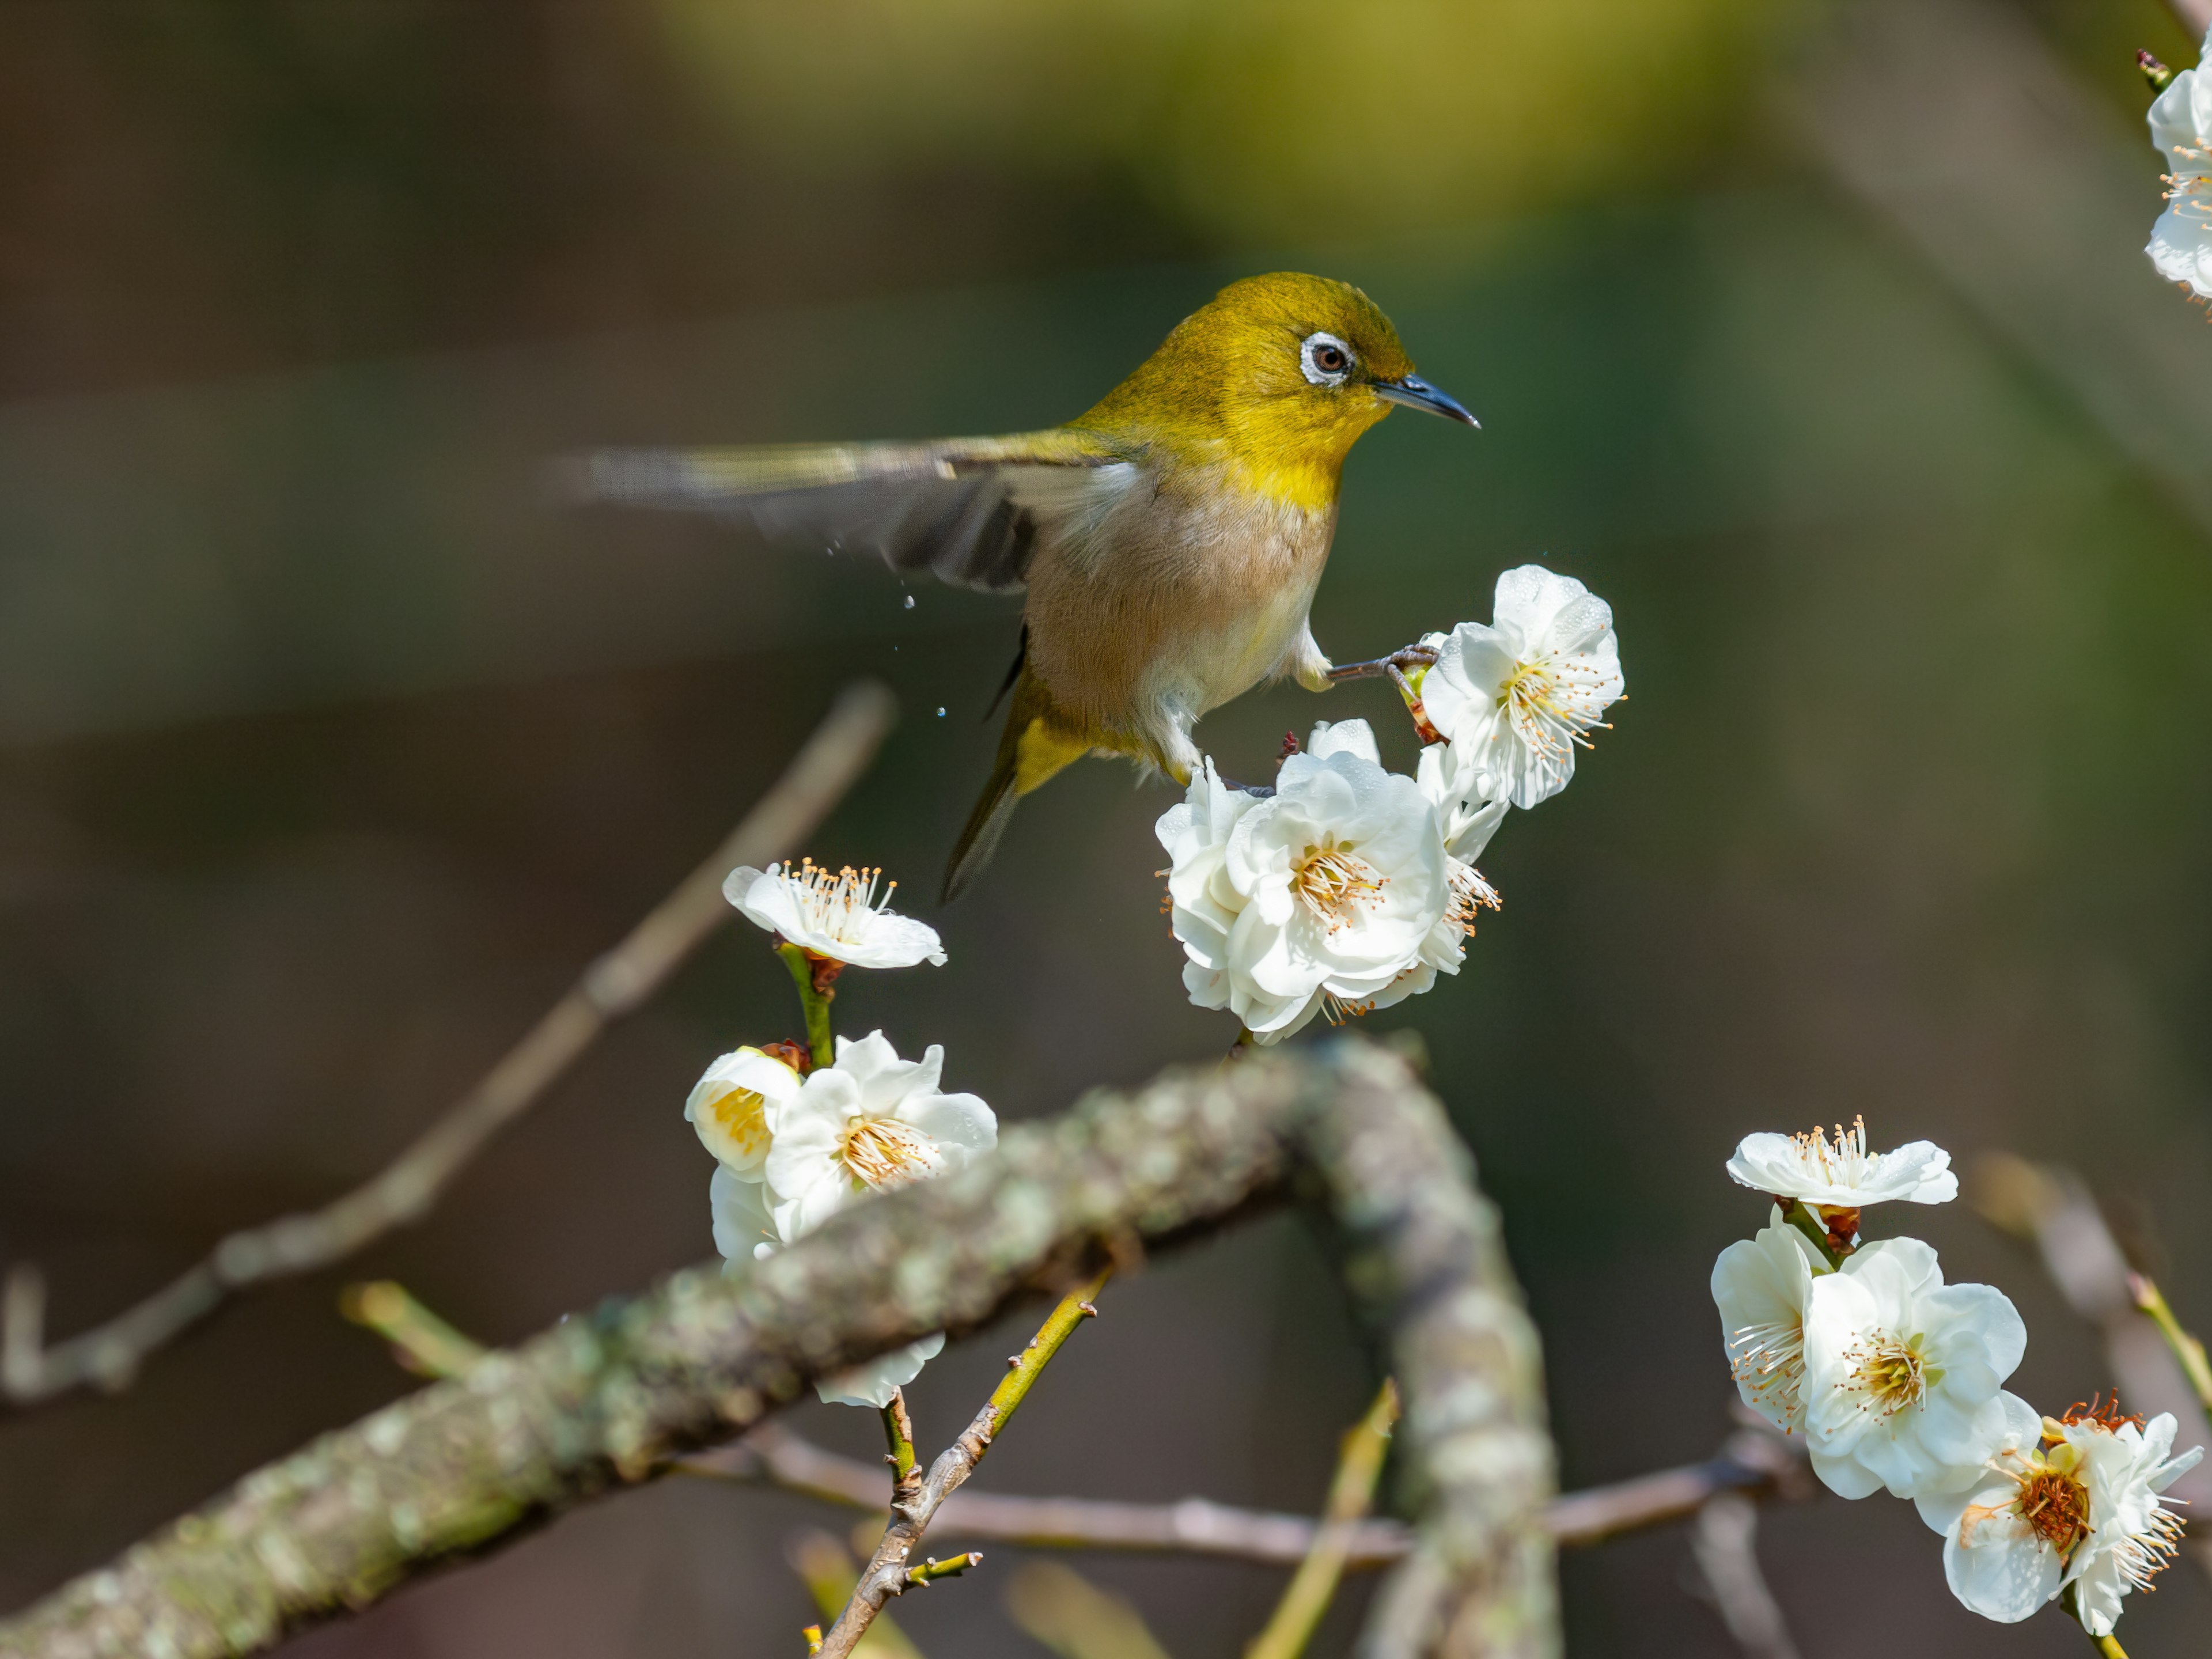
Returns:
point(330, 751)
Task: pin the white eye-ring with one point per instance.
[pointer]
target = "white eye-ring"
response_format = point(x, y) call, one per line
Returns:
point(1326, 360)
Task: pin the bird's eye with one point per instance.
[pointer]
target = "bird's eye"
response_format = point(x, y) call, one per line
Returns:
point(1326, 360)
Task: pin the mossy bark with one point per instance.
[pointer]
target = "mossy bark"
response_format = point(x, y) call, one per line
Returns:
point(611, 1397)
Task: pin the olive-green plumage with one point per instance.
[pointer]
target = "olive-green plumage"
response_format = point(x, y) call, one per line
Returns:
point(1170, 537)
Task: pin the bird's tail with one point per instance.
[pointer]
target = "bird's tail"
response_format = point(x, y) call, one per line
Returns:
point(1035, 743)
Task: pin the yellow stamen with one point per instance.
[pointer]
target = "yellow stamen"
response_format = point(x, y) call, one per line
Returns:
point(883, 1153)
point(738, 1119)
point(1334, 884)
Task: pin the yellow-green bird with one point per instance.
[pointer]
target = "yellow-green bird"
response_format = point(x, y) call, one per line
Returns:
point(1169, 539)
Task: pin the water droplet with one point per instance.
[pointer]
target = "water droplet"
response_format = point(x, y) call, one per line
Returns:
point(910, 601)
point(940, 714)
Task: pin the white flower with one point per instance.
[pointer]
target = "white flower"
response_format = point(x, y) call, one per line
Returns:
point(2084, 1510)
point(1202, 905)
point(1468, 806)
point(2132, 1535)
point(1515, 697)
point(1903, 1373)
point(744, 1231)
point(871, 1122)
point(729, 1108)
point(1322, 894)
point(2181, 128)
point(834, 917)
point(744, 1228)
point(1761, 1285)
point(1841, 1174)
point(873, 1384)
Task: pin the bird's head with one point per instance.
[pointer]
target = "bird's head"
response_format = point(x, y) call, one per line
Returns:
point(1278, 376)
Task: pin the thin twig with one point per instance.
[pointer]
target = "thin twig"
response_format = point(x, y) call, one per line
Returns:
point(1760, 1465)
point(1313, 1586)
point(915, 1497)
point(826, 1567)
point(2052, 1208)
point(2187, 1350)
point(421, 1341)
point(615, 985)
point(1725, 1544)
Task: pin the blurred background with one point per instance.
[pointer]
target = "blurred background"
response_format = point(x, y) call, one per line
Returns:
point(1815, 337)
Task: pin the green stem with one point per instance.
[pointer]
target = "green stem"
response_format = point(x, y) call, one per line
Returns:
point(933, 1569)
point(1314, 1585)
point(1074, 1308)
point(426, 1344)
point(898, 1432)
point(2186, 1348)
point(1800, 1216)
point(816, 1003)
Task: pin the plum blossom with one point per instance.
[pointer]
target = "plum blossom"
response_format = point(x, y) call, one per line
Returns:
point(1761, 1285)
point(1319, 895)
point(1466, 798)
point(2073, 1501)
point(872, 1122)
point(1515, 698)
point(1904, 1373)
point(729, 1108)
point(744, 1228)
point(838, 917)
point(2181, 130)
point(1841, 1174)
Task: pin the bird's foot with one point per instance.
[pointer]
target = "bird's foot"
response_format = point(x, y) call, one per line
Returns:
point(1412, 657)
point(1262, 790)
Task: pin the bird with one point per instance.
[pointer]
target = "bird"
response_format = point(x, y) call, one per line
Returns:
point(1168, 540)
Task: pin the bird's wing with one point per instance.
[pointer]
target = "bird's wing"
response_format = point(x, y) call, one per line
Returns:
point(969, 509)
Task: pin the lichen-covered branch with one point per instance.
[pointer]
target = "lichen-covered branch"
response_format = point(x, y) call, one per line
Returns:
point(618, 1394)
point(616, 985)
point(1427, 1263)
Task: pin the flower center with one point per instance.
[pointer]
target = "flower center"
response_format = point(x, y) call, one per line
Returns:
point(839, 906)
point(1552, 700)
point(884, 1153)
point(2056, 1503)
point(1891, 1373)
point(1769, 1360)
point(1840, 1162)
point(1334, 884)
point(738, 1115)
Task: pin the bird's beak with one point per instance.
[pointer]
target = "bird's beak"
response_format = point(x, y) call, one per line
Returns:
point(1417, 393)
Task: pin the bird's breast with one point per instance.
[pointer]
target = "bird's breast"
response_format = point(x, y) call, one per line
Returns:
point(1188, 594)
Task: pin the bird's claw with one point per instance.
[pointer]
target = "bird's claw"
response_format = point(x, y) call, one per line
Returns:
point(1404, 660)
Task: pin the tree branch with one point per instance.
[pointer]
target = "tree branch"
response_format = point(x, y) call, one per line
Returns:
point(915, 1497)
point(615, 1396)
point(615, 986)
point(1755, 1462)
point(1725, 1544)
